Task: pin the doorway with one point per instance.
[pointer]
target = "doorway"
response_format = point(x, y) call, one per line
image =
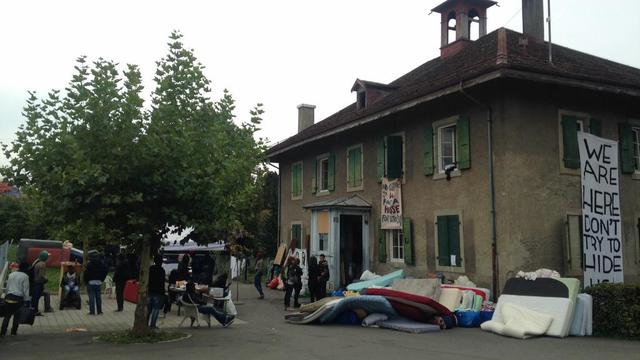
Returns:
point(351, 259)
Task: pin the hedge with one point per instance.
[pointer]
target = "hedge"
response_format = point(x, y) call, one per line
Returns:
point(616, 310)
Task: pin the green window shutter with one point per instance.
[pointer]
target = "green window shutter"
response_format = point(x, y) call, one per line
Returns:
point(350, 168)
point(298, 179)
point(464, 148)
point(407, 235)
point(380, 163)
point(428, 151)
point(442, 224)
point(357, 170)
point(382, 244)
point(570, 142)
point(595, 127)
point(454, 238)
point(627, 161)
point(332, 172)
point(294, 179)
point(394, 157)
point(314, 177)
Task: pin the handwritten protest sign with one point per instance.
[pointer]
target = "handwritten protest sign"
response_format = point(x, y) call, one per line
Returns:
point(601, 220)
point(391, 217)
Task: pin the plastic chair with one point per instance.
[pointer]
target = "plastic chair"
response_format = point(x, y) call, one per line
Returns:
point(191, 312)
point(109, 286)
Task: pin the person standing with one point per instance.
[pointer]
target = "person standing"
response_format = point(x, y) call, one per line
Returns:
point(94, 275)
point(17, 295)
point(323, 278)
point(260, 270)
point(156, 291)
point(183, 268)
point(39, 270)
point(293, 282)
point(314, 279)
point(120, 277)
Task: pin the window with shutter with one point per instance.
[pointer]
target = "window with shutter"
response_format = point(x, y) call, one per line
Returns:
point(322, 169)
point(572, 246)
point(449, 246)
point(395, 239)
point(331, 172)
point(296, 234)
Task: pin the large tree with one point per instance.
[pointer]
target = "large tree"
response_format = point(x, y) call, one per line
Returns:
point(106, 166)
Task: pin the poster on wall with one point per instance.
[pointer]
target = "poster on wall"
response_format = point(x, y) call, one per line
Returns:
point(601, 220)
point(391, 208)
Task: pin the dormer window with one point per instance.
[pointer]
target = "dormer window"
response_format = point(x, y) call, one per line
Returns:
point(362, 100)
point(369, 92)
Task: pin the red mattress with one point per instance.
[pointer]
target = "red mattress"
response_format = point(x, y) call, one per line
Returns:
point(414, 307)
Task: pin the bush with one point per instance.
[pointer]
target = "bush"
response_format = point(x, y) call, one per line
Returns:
point(616, 310)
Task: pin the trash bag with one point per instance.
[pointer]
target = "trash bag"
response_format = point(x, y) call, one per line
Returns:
point(27, 315)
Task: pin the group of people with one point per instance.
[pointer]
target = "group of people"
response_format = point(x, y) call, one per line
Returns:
point(26, 286)
point(318, 276)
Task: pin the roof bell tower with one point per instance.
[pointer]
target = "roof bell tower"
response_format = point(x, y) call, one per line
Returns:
point(462, 21)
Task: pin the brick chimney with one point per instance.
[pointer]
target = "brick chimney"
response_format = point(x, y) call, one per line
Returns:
point(533, 18)
point(305, 116)
point(460, 16)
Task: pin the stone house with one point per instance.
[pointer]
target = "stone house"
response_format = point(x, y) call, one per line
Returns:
point(483, 142)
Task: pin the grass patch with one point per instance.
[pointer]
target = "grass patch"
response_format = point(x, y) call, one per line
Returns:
point(128, 337)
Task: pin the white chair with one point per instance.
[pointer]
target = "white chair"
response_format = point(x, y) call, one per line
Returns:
point(109, 286)
point(191, 312)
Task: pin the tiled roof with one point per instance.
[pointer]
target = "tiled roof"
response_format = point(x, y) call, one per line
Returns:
point(353, 202)
point(501, 49)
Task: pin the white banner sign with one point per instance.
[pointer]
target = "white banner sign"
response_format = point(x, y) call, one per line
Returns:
point(601, 220)
point(391, 209)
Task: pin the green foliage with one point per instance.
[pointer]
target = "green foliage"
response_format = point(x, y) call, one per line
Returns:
point(20, 218)
point(616, 310)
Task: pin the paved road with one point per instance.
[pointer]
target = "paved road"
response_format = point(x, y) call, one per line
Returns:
point(266, 336)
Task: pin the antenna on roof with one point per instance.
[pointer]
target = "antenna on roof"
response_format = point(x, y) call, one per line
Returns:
point(549, 24)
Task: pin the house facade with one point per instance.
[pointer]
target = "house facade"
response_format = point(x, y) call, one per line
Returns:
point(482, 141)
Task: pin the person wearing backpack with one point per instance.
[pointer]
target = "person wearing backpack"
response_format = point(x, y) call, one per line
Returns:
point(293, 282)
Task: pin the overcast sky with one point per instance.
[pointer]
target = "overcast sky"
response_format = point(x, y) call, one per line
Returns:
point(280, 52)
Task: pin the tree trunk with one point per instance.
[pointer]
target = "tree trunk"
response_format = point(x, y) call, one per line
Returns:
point(140, 322)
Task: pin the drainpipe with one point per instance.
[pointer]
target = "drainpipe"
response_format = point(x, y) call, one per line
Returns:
point(492, 190)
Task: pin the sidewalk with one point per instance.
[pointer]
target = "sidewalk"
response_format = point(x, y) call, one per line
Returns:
point(62, 321)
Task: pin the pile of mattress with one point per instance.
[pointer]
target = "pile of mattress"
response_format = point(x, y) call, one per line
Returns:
point(535, 307)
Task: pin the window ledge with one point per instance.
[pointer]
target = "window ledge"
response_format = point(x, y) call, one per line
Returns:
point(452, 269)
point(568, 171)
point(296, 197)
point(440, 176)
point(635, 175)
point(357, 188)
point(396, 261)
point(323, 193)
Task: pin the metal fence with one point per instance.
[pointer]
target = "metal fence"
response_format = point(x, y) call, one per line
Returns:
point(4, 253)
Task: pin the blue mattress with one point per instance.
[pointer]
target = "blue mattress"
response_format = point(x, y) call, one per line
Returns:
point(381, 281)
point(369, 303)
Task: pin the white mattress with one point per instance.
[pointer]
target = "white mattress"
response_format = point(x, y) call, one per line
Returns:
point(560, 309)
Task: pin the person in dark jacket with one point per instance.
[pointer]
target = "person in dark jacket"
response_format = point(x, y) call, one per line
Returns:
point(323, 278)
point(292, 282)
point(314, 279)
point(183, 268)
point(120, 277)
point(190, 296)
point(94, 275)
point(156, 290)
